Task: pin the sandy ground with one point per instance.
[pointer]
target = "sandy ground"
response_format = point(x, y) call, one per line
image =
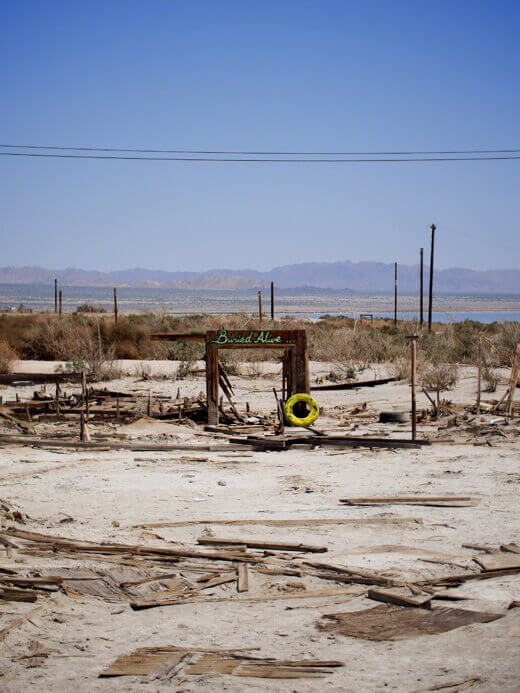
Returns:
point(98, 488)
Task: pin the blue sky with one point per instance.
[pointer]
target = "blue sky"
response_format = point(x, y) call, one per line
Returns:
point(303, 76)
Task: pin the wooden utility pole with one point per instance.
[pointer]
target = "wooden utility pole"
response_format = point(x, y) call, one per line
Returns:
point(430, 297)
point(61, 303)
point(413, 382)
point(260, 314)
point(272, 300)
point(115, 305)
point(395, 294)
point(479, 374)
point(55, 295)
point(421, 287)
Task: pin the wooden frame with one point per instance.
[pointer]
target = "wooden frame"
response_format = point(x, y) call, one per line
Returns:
point(295, 363)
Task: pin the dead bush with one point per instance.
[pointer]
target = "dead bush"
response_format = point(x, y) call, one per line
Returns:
point(7, 356)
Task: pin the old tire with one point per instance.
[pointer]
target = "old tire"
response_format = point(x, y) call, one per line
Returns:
point(299, 420)
point(393, 417)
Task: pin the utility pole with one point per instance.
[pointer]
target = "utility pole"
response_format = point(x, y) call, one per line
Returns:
point(395, 294)
point(272, 300)
point(60, 309)
point(413, 383)
point(115, 305)
point(421, 282)
point(430, 297)
point(55, 295)
point(260, 314)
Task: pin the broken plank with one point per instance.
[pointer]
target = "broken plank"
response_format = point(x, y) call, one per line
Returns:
point(269, 545)
point(390, 597)
point(436, 501)
point(303, 522)
point(499, 561)
point(242, 578)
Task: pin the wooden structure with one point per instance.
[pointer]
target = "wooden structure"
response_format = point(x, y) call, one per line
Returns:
point(295, 364)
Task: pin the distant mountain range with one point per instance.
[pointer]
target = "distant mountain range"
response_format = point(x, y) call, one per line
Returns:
point(354, 277)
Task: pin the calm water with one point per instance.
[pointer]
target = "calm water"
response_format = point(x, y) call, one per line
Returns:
point(305, 303)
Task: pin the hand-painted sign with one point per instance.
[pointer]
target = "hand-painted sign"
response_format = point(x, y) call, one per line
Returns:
point(257, 337)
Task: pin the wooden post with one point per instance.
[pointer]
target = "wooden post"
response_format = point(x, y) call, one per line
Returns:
point(60, 310)
point(413, 383)
point(55, 295)
point(272, 300)
point(83, 387)
point(395, 294)
point(513, 380)
point(57, 397)
point(260, 306)
point(430, 296)
point(115, 305)
point(421, 289)
point(479, 374)
point(212, 378)
point(149, 403)
point(81, 425)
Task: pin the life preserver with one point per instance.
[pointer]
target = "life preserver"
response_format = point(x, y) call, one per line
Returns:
point(311, 416)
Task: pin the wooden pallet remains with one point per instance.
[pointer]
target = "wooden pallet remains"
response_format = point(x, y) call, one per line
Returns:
point(162, 662)
point(391, 622)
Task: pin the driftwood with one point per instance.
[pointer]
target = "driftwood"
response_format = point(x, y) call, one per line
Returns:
point(355, 385)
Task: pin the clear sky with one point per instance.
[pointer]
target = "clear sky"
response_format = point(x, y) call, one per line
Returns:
point(302, 76)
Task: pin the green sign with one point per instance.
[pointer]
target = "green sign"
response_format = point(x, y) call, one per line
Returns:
point(262, 337)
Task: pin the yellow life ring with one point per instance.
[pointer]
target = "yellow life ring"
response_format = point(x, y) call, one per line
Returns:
point(311, 416)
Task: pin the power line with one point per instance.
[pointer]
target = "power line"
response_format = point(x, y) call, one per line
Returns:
point(257, 161)
point(253, 153)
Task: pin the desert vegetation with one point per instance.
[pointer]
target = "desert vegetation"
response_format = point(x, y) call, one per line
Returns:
point(92, 341)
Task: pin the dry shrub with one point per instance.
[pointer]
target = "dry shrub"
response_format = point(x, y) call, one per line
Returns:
point(7, 356)
point(491, 378)
point(400, 368)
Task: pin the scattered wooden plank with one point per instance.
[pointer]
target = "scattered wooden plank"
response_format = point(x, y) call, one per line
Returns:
point(510, 548)
point(390, 597)
point(242, 578)
point(303, 522)
point(117, 445)
point(452, 687)
point(56, 543)
point(355, 385)
point(270, 545)
point(160, 662)
point(307, 594)
point(435, 501)
point(499, 561)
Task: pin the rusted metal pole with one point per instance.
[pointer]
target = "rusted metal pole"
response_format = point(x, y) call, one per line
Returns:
point(55, 295)
point(115, 305)
point(421, 289)
point(479, 374)
point(60, 309)
point(430, 296)
point(260, 315)
point(272, 300)
point(395, 294)
point(413, 382)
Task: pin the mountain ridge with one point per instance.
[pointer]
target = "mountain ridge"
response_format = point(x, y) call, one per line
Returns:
point(366, 277)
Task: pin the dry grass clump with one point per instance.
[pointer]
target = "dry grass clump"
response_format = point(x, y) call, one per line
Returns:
point(7, 356)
